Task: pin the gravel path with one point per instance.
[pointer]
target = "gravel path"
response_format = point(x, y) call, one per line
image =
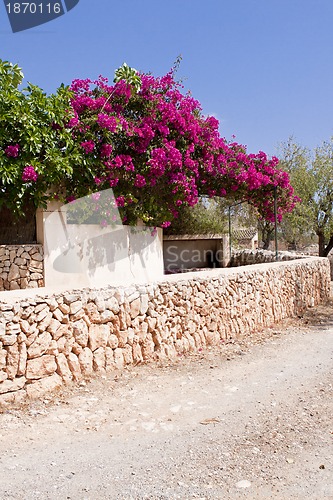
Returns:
point(252, 419)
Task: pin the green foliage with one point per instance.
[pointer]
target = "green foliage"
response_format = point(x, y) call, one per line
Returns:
point(130, 75)
point(311, 174)
point(208, 216)
point(33, 123)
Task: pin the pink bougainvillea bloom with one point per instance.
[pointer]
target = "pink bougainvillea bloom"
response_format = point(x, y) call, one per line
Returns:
point(108, 122)
point(12, 151)
point(98, 181)
point(120, 201)
point(70, 199)
point(166, 224)
point(73, 122)
point(140, 181)
point(106, 150)
point(88, 146)
point(29, 174)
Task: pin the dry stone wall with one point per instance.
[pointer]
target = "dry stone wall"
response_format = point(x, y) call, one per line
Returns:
point(47, 341)
point(21, 266)
point(250, 257)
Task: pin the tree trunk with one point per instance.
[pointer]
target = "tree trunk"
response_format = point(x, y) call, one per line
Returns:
point(328, 247)
point(321, 243)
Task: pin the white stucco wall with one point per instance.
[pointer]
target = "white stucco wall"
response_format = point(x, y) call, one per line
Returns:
point(79, 255)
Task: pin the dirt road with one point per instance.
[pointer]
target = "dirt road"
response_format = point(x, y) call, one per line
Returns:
point(253, 419)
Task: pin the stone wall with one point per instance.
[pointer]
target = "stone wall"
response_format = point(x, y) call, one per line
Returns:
point(21, 266)
point(250, 257)
point(49, 340)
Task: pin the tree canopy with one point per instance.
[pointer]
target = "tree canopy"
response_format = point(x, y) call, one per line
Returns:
point(311, 173)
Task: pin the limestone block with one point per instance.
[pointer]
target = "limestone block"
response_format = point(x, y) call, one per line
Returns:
point(112, 304)
point(13, 357)
point(45, 323)
point(14, 285)
point(69, 344)
point(122, 338)
point(86, 361)
point(53, 326)
point(109, 359)
point(151, 324)
point(77, 349)
point(41, 367)
point(37, 257)
point(12, 385)
point(106, 316)
point(33, 284)
point(79, 315)
point(170, 351)
point(148, 349)
point(36, 276)
point(144, 303)
point(40, 345)
point(53, 348)
point(135, 307)
point(75, 307)
point(63, 369)
point(113, 341)
point(98, 336)
point(81, 333)
point(100, 304)
point(74, 366)
point(92, 312)
point(130, 336)
point(122, 316)
point(99, 360)
point(58, 314)
point(3, 358)
point(119, 358)
point(44, 386)
point(41, 307)
point(14, 273)
point(9, 339)
point(62, 331)
point(137, 353)
point(116, 325)
point(64, 308)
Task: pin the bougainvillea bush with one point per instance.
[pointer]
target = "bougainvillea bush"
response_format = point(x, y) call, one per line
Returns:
point(142, 137)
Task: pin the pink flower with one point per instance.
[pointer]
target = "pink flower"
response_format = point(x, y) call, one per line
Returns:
point(120, 201)
point(106, 150)
point(72, 122)
point(166, 224)
point(88, 146)
point(29, 174)
point(108, 122)
point(96, 196)
point(12, 151)
point(140, 181)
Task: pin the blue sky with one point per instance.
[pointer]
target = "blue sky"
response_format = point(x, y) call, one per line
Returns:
point(264, 68)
